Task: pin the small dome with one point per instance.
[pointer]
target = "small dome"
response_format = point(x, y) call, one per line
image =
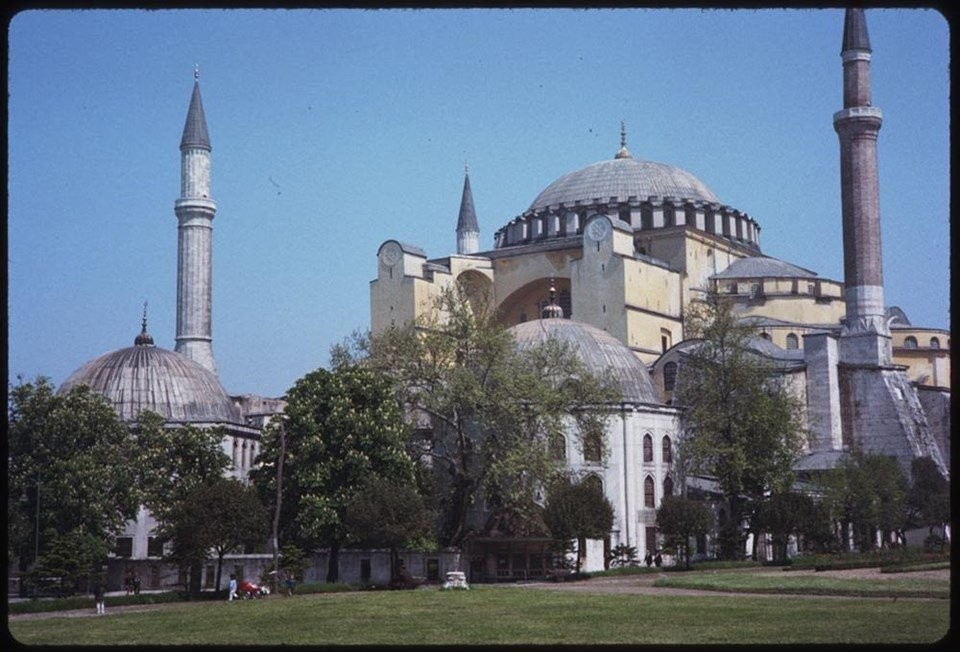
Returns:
point(600, 351)
point(146, 377)
point(623, 177)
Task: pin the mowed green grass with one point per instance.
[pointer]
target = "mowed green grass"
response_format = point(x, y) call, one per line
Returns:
point(790, 583)
point(501, 615)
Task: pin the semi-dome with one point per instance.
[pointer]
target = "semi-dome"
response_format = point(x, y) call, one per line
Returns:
point(145, 377)
point(600, 351)
point(623, 177)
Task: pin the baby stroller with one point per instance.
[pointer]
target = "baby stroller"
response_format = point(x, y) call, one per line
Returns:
point(248, 590)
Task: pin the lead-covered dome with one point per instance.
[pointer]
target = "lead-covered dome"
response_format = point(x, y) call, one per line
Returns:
point(145, 377)
point(623, 177)
point(600, 351)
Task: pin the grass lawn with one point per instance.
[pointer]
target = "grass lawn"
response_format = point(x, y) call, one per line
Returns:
point(810, 585)
point(500, 615)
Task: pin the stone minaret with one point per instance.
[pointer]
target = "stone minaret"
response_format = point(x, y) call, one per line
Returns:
point(195, 210)
point(468, 233)
point(857, 125)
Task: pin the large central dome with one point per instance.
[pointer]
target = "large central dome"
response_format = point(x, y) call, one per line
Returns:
point(623, 177)
point(145, 377)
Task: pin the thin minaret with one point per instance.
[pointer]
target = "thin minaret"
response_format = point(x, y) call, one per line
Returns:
point(857, 125)
point(468, 233)
point(195, 210)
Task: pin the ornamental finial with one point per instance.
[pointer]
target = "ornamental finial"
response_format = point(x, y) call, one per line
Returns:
point(623, 151)
point(196, 72)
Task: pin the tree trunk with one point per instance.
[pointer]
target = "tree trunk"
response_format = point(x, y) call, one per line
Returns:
point(581, 544)
point(333, 565)
point(457, 520)
point(196, 570)
point(393, 563)
point(219, 571)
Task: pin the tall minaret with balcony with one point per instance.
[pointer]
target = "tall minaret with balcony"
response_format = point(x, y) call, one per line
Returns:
point(468, 233)
point(195, 210)
point(866, 334)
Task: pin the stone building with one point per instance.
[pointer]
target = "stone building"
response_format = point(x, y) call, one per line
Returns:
point(629, 243)
point(180, 385)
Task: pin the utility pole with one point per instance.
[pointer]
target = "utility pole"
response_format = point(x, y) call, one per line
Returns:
point(276, 513)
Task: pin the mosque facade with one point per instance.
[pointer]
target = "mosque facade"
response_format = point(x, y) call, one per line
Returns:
point(181, 385)
point(629, 244)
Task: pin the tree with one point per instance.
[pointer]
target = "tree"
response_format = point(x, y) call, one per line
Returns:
point(577, 511)
point(68, 468)
point(172, 463)
point(342, 426)
point(483, 410)
point(928, 500)
point(72, 558)
point(623, 555)
point(741, 424)
point(868, 492)
point(679, 519)
point(222, 516)
point(792, 513)
point(387, 513)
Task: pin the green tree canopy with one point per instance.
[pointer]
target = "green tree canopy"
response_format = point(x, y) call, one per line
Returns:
point(388, 513)
point(70, 453)
point(928, 500)
point(868, 491)
point(577, 510)
point(792, 513)
point(173, 461)
point(341, 427)
point(679, 519)
point(484, 412)
point(224, 515)
point(741, 424)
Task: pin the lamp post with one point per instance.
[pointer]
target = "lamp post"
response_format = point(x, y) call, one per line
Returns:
point(36, 538)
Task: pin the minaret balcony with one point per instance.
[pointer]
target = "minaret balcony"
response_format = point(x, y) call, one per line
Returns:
point(858, 113)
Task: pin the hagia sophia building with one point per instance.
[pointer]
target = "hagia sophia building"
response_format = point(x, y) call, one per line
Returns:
point(606, 258)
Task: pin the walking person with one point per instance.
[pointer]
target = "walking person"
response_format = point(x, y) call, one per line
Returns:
point(136, 585)
point(98, 597)
point(291, 582)
point(233, 587)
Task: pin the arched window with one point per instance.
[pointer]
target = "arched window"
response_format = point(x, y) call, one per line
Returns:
point(765, 336)
point(243, 455)
point(667, 450)
point(793, 342)
point(669, 376)
point(910, 342)
point(592, 447)
point(236, 453)
point(594, 482)
point(934, 343)
point(668, 486)
point(647, 448)
point(648, 497)
point(558, 447)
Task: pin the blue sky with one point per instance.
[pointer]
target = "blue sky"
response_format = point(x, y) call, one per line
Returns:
point(334, 130)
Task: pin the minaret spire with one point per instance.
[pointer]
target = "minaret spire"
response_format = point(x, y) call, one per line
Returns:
point(468, 232)
point(857, 126)
point(195, 210)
